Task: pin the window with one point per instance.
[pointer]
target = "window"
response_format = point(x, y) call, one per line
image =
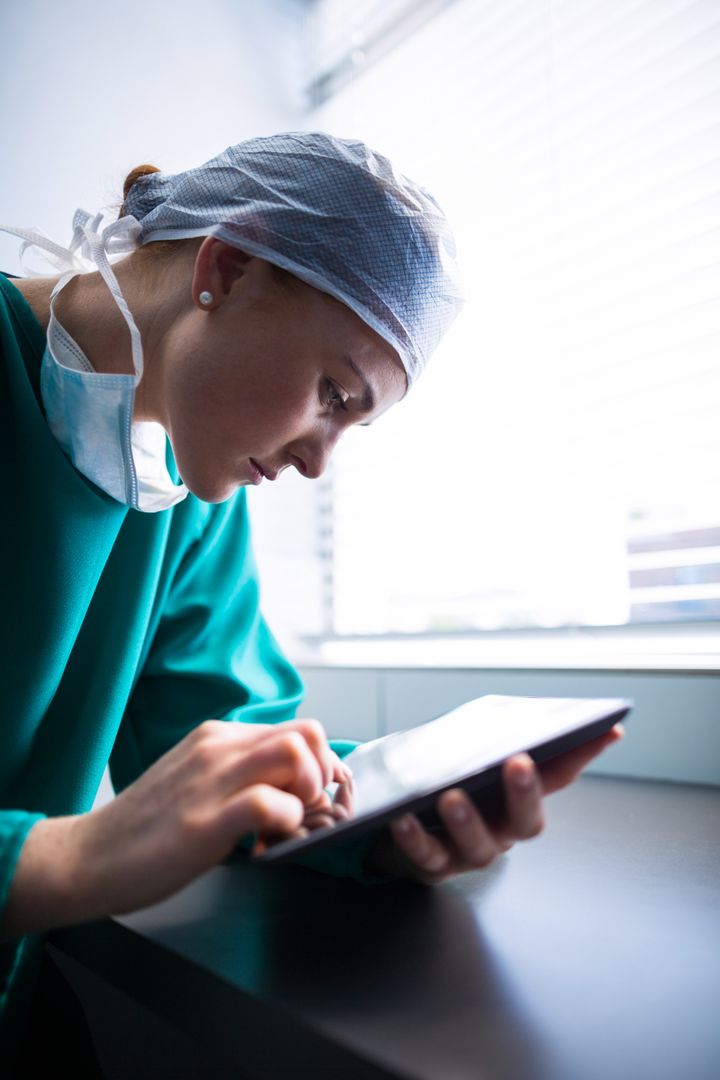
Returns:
point(558, 464)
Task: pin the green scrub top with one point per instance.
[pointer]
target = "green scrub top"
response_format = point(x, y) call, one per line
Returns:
point(120, 631)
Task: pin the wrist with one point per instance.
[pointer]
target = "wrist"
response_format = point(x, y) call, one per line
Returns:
point(46, 889)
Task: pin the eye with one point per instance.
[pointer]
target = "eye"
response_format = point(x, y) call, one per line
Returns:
point(332, 397)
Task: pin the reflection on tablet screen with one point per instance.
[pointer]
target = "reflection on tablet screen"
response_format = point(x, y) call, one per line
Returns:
point(472, 737)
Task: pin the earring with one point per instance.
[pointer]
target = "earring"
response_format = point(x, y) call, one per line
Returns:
point(206, 297)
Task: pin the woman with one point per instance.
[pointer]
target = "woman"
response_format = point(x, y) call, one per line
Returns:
point(267, 301)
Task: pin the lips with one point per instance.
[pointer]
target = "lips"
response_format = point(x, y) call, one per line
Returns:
point(258, 474)
point(268, 474)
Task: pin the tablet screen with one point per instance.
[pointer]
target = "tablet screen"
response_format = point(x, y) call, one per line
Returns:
point(392, 773)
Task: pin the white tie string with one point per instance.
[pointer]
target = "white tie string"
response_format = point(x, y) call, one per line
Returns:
point(90, 249)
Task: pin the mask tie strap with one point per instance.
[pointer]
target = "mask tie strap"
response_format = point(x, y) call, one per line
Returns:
point(56, 255)
point(120, 236)
point(88, 251)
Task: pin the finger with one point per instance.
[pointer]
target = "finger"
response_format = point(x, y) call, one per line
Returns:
point(284, 761)
point(425, 852)
point(340, 812)
point(322, 805)
point(242, 736)
point(333, 768)
point(314, 734)
point(562, 770)
point(318, 820)
point(311, 730)
point(326, 812)
point(475, 844)
point(344, 798)
point(261, 808)
point(343, 772)
point(268, 840)
point(523, 799)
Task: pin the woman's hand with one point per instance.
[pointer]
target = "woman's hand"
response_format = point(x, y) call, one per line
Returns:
point(470, 843)
point(184, 815)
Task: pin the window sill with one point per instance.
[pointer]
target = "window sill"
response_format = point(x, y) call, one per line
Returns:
point(611, 649)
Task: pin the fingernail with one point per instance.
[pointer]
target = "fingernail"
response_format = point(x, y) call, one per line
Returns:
point(525, 778)
point(436, 863)
point(404, 825)
point(458, 812)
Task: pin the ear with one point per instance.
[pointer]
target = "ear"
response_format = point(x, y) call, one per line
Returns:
point(217, 267)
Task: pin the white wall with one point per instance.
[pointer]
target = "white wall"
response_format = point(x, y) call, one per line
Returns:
point(89, 89)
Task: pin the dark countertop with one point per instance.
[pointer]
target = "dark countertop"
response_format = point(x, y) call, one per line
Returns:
point(591, 952)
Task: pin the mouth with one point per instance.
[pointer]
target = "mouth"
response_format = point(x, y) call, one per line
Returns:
point(258, 474)
point(262, 473)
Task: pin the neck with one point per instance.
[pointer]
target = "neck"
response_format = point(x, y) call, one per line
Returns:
point(37, 293)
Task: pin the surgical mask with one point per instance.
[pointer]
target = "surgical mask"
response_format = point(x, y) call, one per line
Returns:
point(91, 413)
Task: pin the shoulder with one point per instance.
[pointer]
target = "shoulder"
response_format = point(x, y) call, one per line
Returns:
point(22, 343)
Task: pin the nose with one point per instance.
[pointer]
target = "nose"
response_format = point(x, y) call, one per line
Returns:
point(313, 457)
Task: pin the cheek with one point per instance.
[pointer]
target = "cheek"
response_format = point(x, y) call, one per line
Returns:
point(205, 394)
point(275, 411)
point(226, 405)
point(201, 423)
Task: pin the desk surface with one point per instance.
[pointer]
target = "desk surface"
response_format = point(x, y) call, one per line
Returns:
point(590, 952)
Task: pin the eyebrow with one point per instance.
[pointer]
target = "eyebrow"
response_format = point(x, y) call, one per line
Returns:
point(367, 405)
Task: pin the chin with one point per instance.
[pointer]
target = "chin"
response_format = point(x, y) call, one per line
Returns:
point(211, 491)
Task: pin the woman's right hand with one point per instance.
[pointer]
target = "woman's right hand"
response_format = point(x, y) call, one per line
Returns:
point(185, 814)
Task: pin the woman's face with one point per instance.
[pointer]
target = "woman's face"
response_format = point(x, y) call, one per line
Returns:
point(266, 376)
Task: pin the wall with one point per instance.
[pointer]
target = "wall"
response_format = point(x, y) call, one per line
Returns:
point(89, 89)
point(673, 732)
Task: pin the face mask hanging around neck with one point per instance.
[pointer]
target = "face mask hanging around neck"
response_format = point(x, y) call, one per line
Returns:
point(91, 413)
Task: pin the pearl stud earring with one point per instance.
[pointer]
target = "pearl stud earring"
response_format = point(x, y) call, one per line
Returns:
point(206, 297)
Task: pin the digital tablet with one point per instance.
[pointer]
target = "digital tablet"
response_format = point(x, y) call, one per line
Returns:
point(406, 771)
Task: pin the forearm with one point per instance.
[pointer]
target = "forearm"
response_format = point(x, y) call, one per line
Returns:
point(185, 814)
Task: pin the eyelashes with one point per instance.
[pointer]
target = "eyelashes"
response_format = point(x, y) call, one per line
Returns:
point(332, 399)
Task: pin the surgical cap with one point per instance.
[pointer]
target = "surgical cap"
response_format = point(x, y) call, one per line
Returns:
point(331, 211)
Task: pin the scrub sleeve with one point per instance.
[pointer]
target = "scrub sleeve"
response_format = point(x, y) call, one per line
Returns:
point(119, 633)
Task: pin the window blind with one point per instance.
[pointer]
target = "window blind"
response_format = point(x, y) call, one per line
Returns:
point(569, 427)
point(344, 40)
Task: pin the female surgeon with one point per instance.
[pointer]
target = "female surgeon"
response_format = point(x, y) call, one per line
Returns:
point(234, 321)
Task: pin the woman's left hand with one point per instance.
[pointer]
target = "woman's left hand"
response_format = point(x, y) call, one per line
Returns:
point(469, 842)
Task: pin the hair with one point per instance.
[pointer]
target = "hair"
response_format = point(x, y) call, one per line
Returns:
point(132, 176)
point(162, 248)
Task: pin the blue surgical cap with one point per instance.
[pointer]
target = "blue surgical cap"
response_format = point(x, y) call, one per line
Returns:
point(331, 211)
